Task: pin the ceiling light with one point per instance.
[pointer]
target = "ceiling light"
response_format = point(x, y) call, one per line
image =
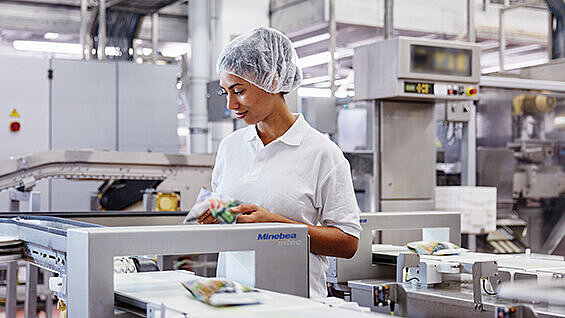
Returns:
point(323, 58)
point(313, 80)
point(147, 51)
point(50, 35)
point(112, 51)
point(182, 131)
point(175, 49)
point(51, 47)
point(313, 92)
point(312, 40)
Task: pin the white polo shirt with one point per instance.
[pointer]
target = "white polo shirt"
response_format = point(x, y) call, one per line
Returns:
point(301, 175)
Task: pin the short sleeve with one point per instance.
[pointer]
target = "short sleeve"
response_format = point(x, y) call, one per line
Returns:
point(338, 202)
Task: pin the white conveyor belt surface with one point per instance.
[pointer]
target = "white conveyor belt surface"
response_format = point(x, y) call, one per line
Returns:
point(158, 288)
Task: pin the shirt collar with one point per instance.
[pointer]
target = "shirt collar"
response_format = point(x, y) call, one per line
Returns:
point(292, 137)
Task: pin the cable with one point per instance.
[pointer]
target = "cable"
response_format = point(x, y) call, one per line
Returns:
point(411, 279)
point(485, 288)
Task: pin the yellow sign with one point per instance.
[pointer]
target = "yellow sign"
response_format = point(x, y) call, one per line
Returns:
point(15, 114)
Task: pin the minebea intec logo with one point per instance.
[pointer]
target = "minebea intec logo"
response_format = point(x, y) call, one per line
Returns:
point(281, 239)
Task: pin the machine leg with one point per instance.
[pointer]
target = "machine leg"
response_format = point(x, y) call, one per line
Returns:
point(472, 242)
point(49, 296)
point(11, 292)
point(31, 291)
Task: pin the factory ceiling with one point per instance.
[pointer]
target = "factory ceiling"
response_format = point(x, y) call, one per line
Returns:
point(32, 19)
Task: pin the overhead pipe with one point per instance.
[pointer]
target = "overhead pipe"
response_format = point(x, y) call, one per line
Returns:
point(388, 20)
point(154, 35)
point(199, 36)
point(501, 40)
point(471, 36)
point(101, 30)
point(83, 26)
point(331, 64)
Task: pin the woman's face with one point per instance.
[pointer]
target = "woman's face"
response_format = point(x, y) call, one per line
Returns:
point(249, 102)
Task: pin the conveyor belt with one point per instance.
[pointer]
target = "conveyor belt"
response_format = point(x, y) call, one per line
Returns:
point(387, 254)
point(141, 290)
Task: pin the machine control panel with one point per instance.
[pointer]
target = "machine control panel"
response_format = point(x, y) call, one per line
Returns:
point(417, 69)
point(440, 89)
point(382, 295)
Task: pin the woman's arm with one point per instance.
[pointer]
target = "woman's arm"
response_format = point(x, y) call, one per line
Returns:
point(324, 240)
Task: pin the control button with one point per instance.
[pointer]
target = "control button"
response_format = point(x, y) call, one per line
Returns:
point(461, 90)
point(472, 91)
point(15, 126)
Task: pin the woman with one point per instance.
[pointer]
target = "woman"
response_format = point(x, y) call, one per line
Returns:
point(288, 171)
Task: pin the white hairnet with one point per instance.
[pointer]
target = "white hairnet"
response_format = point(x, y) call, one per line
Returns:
point(264, 57)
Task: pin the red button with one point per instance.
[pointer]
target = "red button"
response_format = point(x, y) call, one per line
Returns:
point(15, 126)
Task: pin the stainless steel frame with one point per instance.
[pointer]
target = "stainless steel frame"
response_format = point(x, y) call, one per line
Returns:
point(90, 252)
point(361, 265)
point(83, 256)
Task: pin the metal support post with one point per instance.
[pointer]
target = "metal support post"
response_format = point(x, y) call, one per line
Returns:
point(550, 36)
point(501, 40)
point(331, 64)
point(154, 35)
point(83, 27)
point(34, 201)
point(31, 291)
point(388, 20)
point(49, 299)
point(482, 271)
point(469, 148)
point(471, 36)
point(199, 35)
point(11, 291)
point(101, 30)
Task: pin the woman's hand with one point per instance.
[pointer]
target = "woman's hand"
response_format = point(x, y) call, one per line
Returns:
point(255, 214)
point(207, 218)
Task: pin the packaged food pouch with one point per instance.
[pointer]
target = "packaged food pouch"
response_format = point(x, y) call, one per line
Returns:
point(219, 206)
point(222, 292)
point(435, 248)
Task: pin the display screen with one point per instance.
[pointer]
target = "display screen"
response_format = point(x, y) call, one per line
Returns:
point(419, 88)
point(440, 60)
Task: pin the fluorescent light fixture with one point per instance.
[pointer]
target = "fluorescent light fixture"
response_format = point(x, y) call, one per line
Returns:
point(314, 92)
point(311, 40)
point(487, 45)
point(50, 35)
point(323, 58)
point(314, 59)
point(313, 80)
point(147, 51)
point(559, 121)
point(175, 49)
point(112, 51)
point(51, 47)
point(338, 82)
point(182, 131)
point(514, 65)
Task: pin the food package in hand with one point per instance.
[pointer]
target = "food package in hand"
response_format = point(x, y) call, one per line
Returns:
point(219, 206)
point(222, 292)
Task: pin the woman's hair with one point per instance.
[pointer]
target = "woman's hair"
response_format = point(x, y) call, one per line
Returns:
point(264, 57)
